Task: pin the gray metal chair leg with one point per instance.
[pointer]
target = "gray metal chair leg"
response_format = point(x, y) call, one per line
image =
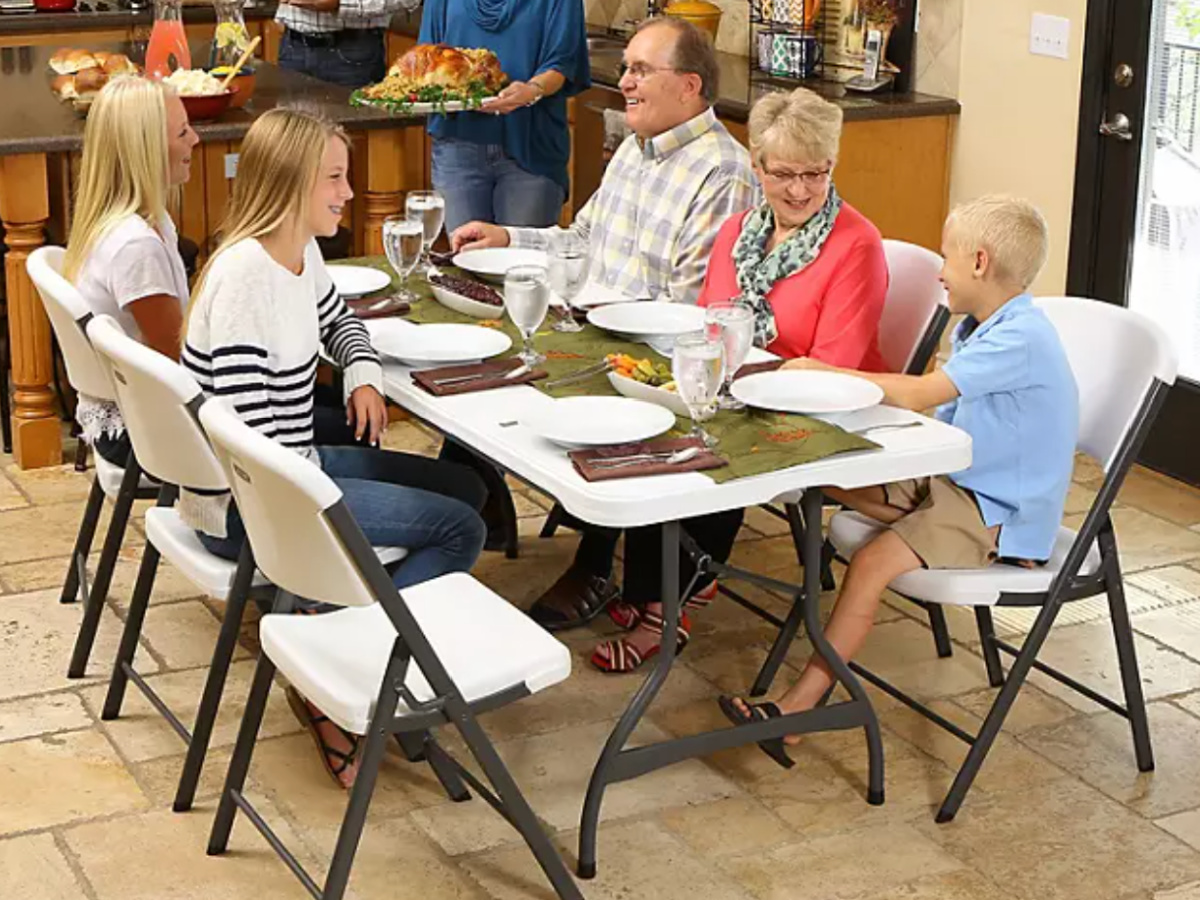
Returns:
point(987, 641)
point(104, 569)
point(783, 642)
point(941, 631)
point(214, 685)
point(83, 542)
point(553, 520)
point(797, 525)
point(418, 746)
point(134, 619)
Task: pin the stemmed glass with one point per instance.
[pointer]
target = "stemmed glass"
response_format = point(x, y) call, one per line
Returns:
point(428, 208)
point(732, 323)
point(568, 272)
point(527, 297)
point(402, 242)
point(698, 365)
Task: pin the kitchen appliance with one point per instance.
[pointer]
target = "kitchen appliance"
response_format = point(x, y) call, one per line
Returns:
point(870, 80)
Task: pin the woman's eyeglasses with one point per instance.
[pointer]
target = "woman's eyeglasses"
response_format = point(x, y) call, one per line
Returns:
point(813, 178)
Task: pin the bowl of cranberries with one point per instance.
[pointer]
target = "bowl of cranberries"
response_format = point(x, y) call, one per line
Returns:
point(467, 297)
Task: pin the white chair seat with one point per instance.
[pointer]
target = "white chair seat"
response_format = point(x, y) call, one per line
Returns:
point(178, 543)
point(961, 587)
point(337, 660)
point(110, 477)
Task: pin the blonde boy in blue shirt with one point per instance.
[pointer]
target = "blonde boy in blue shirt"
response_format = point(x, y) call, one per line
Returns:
point(1008, 384)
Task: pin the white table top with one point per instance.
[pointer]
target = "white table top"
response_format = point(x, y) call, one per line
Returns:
point(474, 419)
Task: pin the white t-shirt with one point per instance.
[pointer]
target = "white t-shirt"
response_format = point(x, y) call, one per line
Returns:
point(131, 261)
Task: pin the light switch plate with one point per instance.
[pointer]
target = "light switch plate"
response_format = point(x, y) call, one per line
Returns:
point(231, 161)
point(1049, 35)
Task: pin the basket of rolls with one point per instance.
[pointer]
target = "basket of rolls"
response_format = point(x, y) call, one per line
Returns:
point(80, 74)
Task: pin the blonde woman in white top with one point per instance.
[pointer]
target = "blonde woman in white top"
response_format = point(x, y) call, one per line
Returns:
point(122, 252)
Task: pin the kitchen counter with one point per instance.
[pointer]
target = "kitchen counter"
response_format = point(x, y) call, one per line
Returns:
point(103, 14)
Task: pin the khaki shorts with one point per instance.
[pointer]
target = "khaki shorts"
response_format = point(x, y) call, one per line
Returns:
point(943, 525)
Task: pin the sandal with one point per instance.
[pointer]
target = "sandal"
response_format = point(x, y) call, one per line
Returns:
point(301, 711)
point(758, 712)
point(620, 656)
point(627, 616)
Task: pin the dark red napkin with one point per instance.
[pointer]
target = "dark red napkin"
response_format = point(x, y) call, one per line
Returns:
point(590, 463)
point(754, 368)
point(378, 307)
point(491, 375)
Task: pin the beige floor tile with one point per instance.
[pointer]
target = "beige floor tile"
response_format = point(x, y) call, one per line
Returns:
point(1069, 843)
point(10, 496)
point(1164, 497)
point(1176, 584)
point(1146, 541)
point(635, 860)
point(410, 437)
point(1184, 825)
point(1033, 708)
point(32, 716)
point(184, 634)
point(765, 523)
point(1178, 627)
point(1099, 749)
point(1079, 499)
point(159, 777)
point(1088, 471)
point(733, 671)
point(53, 484)
point(54, 779)
point(142, 734)
point(961, 884)
point(33, 868)
point(727, 827)
point(1088, 654)
point(37, 634)
point(840, 866)
point(160, 854)
point(42, 532)
point(526, 505)
point(170, 586)
point(1189, 891)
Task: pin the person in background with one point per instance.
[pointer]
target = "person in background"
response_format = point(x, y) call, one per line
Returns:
point(508, 163)
point(343, 41)
point(1009, 385)
point(122, 251)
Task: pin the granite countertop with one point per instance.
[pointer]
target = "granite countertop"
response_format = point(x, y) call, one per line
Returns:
point(95, 14)
point(741, 86)
point(33, 120)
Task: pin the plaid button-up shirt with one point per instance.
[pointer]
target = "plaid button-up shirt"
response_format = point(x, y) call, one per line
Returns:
point(651, 225)
point(350, 14)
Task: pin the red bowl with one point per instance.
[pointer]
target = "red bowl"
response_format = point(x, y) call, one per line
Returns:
point(208, 106)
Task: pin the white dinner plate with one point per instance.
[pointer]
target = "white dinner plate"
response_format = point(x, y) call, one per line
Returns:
point(437, 345)
point(631, 387)
point(465, 305)
point(642, 320)
point(353, 282)
point(599, 421)
point(800, 391)
point(492, 262)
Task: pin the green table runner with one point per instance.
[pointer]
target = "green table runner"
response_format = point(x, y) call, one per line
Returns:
point(753, 441)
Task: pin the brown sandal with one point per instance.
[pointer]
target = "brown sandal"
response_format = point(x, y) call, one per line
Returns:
point(301, 711)
point(620, 656)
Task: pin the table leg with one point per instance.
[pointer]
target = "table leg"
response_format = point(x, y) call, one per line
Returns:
point(24, 209)
point(605, 771)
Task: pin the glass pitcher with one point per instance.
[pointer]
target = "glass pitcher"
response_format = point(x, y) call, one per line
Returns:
point(168, 48)
point(231, 37)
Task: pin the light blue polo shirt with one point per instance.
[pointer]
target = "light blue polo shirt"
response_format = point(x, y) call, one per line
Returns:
point(1019, 402)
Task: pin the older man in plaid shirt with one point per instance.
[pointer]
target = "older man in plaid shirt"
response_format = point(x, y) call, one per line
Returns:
point(650, 229)
point(671, 184)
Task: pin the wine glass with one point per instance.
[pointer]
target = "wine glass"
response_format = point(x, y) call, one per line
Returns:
point(732, 323)
point(568, 273)
point(527, 297)
point(428, 208)
point(402, 242)
point(698, 365)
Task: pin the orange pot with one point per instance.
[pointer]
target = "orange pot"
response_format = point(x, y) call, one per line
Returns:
point(701, 13)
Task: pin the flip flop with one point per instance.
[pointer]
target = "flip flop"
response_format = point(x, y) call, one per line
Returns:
point(758, 712)
point(306, 718)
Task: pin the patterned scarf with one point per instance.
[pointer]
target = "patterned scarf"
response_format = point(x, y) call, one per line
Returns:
point(758, 271)
point(492, 15)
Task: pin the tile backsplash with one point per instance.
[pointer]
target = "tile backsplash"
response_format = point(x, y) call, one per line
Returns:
point(938, 38)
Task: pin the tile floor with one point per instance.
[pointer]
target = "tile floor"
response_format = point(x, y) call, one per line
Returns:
point(1059, 812)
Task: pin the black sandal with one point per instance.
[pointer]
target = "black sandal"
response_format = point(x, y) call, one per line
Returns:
point(758, 712)
point(310, 721)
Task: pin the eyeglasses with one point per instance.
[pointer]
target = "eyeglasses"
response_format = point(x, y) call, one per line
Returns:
point(810, 179)
point(639, 72)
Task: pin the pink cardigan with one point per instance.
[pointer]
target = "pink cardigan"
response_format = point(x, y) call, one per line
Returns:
point(830, 310)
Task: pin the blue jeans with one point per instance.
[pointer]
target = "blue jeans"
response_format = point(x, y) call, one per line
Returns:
point(482, 183)
point(437, 522)
point(352, 57)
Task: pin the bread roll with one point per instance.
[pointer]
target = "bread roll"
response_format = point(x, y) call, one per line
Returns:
point(67, 62)
point(89, 81)
point(64, 86)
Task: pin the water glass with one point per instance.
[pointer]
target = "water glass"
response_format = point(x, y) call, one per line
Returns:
point(526, 298)
point(698, 365)
point(568, 274)
point(402, 242)
point(428, 208)
point(731, 323)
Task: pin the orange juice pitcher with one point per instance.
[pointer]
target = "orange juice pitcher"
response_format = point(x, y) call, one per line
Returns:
point(168, 48)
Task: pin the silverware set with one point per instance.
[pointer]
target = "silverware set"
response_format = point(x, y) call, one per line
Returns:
point(579, 375)
point(475, 376)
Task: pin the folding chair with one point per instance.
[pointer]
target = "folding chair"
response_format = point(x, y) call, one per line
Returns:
point(69, 315)
point(1124, 365)
point(158, 399)
point(392, 663)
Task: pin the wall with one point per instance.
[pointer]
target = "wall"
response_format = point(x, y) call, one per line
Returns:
point(939, 47)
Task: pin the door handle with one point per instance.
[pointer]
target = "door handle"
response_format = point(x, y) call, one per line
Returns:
point(1117, 127)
